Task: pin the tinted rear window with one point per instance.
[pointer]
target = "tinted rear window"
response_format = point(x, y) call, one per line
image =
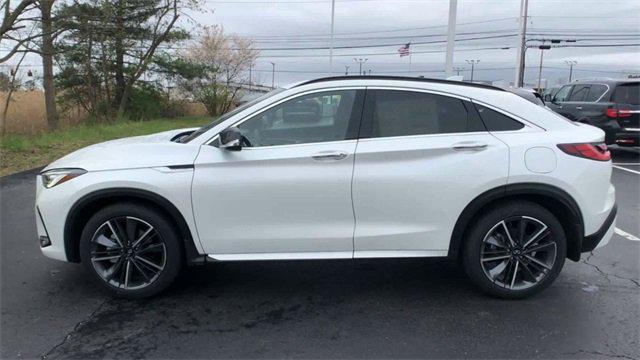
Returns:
point(627, 94)
point(596, 92)
point(401, 113)
point(495, 121)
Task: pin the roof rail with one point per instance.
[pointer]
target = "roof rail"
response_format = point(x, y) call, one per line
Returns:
point(399, 78)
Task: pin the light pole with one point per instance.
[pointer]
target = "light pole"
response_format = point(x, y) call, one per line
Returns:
point(457, 69)
point(333, 13)
point(360, 61)
point(451, 37)
point(522, 46)
point(570, 63)
point(473, 65)
point(273, 75)
point(346, 70)
point(542, 49)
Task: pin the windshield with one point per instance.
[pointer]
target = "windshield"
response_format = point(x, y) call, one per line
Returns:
point(229, 114)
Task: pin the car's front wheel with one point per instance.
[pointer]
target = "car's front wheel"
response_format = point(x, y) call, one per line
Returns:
point(515, 250)
point(131, 249)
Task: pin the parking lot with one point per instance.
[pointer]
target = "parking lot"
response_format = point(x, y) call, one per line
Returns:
point(410, 308)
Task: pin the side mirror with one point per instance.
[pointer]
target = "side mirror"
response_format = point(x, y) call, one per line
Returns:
point(231, 139)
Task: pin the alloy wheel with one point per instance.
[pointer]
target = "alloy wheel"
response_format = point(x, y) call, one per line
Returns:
point(518, 252)
point(128, 253)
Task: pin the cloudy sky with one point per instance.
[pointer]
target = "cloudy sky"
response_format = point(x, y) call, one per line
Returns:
point(482, 24)
point(375, 29)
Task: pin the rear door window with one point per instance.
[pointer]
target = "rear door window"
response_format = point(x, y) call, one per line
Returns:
point(595, 92)
point(579, 93)
point(627, 94)
point(391, 113)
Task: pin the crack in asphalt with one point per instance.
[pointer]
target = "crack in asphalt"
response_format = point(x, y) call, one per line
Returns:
point(593, 352)
point(605, 274)
point(75, 329)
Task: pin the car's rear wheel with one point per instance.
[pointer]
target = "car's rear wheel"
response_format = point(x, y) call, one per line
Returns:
point(131, 249)
point(515, 250)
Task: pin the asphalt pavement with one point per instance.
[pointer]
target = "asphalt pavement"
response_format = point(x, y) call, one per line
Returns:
point(408, 308)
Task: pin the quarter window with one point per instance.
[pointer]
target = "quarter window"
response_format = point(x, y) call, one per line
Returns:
point(401, 113)
point(495, 121)
point(317, 117)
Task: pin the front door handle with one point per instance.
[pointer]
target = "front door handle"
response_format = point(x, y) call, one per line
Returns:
point(469, 145)
point(329, 156)
point(578, 107)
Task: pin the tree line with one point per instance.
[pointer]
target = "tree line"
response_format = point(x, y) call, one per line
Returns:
point(123, 58)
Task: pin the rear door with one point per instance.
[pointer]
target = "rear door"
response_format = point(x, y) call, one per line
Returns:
point(421, 158)
point(573, 106)
point(627, 99)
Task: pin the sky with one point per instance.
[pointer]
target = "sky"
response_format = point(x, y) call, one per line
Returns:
point(486, 30)
point(294, 23)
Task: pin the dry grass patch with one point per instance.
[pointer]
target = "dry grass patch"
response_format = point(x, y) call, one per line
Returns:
point(22, 152)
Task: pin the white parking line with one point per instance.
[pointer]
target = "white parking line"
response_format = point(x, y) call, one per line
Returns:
point(626, 235)
point(625, 169)
point(636, 164)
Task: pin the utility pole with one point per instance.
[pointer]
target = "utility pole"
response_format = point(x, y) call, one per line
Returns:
point(346, 70)
point(273, 75)
point(570, 63)
point(451, 37)
point(542, 49)
point(473, 65)
point(333, 13)
point(250, 75)
point(360, 61)
point(519, 80)
point(457, 69)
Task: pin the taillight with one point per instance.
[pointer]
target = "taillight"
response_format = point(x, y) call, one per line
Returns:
point(615, 113)
point(597, 152)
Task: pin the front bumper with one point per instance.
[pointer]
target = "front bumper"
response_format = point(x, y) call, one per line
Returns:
point(603, 235)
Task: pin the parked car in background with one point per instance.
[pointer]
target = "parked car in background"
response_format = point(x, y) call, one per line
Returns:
point(612, 105)
point(403, 167)
point(527, 94)
point(548, 93)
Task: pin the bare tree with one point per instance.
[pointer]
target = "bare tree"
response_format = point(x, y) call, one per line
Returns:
point(13, 30)
point(227, 58)
point(11, 88)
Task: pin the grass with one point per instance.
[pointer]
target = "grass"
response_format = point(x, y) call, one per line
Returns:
point(23, 152)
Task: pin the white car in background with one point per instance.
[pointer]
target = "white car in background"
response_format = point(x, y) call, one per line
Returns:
point(335, 168)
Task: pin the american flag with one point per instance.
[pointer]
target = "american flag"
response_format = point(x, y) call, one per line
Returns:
point(404, 50)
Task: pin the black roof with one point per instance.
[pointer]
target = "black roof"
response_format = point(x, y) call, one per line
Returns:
point(607, 81)
point(400, 78)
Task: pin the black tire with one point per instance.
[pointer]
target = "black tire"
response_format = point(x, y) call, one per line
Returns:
point(165, 238)
point(489, 227)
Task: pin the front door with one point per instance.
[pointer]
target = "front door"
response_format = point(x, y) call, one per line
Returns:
point(287, 193)
point(421, 159)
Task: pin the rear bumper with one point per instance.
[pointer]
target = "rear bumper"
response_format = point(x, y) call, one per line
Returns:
point(603, 235)
point(627, 138)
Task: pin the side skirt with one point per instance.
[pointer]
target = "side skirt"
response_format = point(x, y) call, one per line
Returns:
point(328, 255)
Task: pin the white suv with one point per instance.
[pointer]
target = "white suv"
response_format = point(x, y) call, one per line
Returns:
point(335, 168)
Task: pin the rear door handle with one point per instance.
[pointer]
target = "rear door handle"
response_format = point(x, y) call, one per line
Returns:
point(469, 145)
point(329, 156)
point(578, 107)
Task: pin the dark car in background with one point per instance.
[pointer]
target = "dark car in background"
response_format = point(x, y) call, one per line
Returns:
point(611, 105)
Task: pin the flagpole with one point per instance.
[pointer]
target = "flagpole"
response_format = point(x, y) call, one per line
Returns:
point(410, 64)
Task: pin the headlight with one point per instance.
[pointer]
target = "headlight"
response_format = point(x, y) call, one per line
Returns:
point(51, 178)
